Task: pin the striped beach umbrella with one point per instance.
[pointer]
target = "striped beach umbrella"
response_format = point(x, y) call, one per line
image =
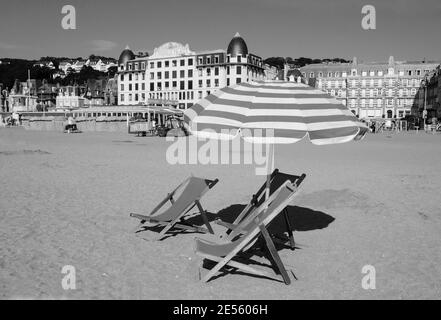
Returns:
point(273, 112)
point(291, 111)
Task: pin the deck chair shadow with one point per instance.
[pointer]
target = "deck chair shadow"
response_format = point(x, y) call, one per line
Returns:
point(277, 179)
point(172, 218)
point(228, 252)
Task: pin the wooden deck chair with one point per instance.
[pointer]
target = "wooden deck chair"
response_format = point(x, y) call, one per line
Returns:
point(227, 252)
point(276, 180)
point(193, 189)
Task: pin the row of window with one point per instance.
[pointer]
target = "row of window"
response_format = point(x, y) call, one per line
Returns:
point(380, 102)
point(372, 92)
point(135, 66)
point(136, 76)
point(173, 63)
point(379, 73)
point(130, 87)
point(371, 83)
point(173, 85)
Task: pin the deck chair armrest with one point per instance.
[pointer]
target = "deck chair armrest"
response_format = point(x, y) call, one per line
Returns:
point(227, 225)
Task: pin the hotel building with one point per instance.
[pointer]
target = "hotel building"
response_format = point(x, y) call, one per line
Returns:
point(175, 75)
point(372, 90)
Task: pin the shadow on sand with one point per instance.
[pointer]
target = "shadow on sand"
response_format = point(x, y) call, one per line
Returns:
point(300, 218)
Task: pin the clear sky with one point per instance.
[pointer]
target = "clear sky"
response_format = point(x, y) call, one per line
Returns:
point(407, 29)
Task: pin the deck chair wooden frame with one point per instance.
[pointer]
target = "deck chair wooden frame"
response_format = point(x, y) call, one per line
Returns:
point(247, 213)
point(176, 219)
point(245, 235)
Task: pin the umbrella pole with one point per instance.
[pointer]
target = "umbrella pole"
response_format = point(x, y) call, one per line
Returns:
point(270, 169)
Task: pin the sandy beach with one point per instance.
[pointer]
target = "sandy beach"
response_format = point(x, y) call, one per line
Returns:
point(65, 199)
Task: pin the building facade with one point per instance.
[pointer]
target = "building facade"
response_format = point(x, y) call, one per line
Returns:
point(430, 93)
point(372, 90)
point(174, 75)
point(71, 97)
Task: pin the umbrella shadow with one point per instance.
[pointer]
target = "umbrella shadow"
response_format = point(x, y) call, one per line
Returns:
point(300, 218)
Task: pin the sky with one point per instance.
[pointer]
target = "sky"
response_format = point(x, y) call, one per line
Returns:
point(406, 29)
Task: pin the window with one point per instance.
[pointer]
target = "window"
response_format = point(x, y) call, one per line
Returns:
point(190, 73)
point(190, 85)
point(216, 59)
point(130, 77)
point(182, 85)
point(174, 74)
point(166, 85)
point(174, 63)
point(238, 80)
point(200, 60)
point(159, 75)
point(208, 83)
point(122, 98)
point(182, 73)
point(208, 60)
point(239, 59)
point(238, 70)
point(152, 86)
point(143, 86)
point(216, 82)
point(167, 63)
point(136, 86)
point(175, 84)
point(122, 87)
point(182, 62)
point(228, 82)
point(311, 75)
point(228, 70)
point(190, 62)
point(208, 72)
point(152, 65)
point(122, 77)
point(216, 71)
point(159, 64)
point(130, 87)
point(152, 75)
point(200, 83)
point(166, 75)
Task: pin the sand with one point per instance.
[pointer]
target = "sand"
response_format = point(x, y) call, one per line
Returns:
point(65, 199)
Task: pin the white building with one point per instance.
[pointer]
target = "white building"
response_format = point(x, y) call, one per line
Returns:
point(70, 97)
point(176, 75)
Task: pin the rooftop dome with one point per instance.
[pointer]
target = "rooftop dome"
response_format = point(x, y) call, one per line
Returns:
point(237, 46)
point(126, 55)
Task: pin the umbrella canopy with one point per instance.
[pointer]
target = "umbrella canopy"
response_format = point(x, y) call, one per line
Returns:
point(291, 111)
